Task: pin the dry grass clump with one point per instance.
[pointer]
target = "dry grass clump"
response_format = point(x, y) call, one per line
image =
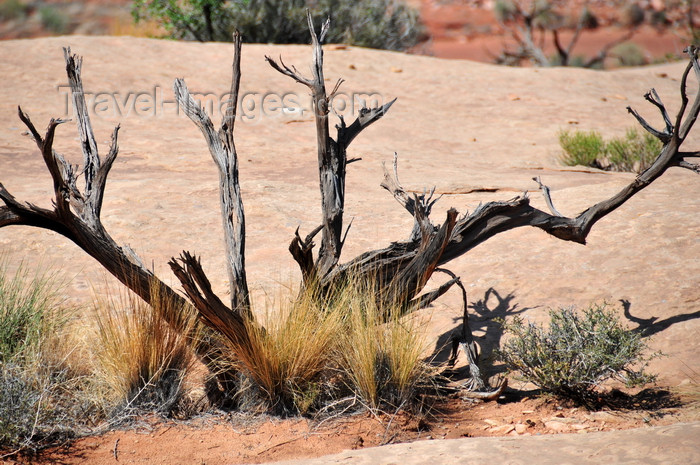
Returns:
point(317, 350)
point(67, 373)
point(288, 355)
point(43, 387)
point(381, 353)
point(140, 361)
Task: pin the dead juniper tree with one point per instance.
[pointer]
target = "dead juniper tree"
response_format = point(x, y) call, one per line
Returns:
point(399, 271)
point(533, 24)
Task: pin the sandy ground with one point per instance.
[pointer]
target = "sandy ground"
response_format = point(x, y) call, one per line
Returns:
point(475, 131)
point(677, 444)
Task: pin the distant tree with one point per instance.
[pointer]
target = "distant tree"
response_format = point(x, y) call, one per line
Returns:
point(530, 22)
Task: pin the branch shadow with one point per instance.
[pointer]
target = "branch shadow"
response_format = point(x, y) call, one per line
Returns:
point(649, 326)
point(482, 315)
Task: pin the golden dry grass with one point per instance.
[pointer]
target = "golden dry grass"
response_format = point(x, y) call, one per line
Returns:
point(382, 356)
point(140, 359)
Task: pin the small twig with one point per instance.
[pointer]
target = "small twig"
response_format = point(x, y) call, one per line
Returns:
point(547, 197)
point(335, 415)
point(388, 426)
point(662, 136)
point(653, 97)
point(278, 445)
point(690, 166)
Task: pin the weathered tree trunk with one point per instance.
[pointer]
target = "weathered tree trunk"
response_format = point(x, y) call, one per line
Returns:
point(332, 161)
point(223, 152)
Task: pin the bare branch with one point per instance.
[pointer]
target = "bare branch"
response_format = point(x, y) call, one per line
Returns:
point(491, 395)
point(663, 137)
point(689, 166)
point(91, 158)
point(213, 311)
point(653, 97)
point(547, 196)
point(684, 98)
point(695, 108)
point(412, 278)
point(392, 184)
point(229, 121)
point(301, 251)
point(55, 167)
point(428, 298)
point(292, 73)
point(103, 171)
point(196, 113)
point(338, 83)
point(331, 154)
point(223, 151)
point(603, 53)
point(366, 117)
point(23, 213)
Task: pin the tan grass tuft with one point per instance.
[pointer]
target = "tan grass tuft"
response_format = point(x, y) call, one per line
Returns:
point(140, 360)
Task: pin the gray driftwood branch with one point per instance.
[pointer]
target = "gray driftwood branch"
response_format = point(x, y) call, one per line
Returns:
point(223, 152)
point(332, 159)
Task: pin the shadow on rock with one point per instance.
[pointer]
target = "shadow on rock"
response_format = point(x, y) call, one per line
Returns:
point(650, 326)
point(483, 316)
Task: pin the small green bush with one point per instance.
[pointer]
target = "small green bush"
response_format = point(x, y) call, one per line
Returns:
point(629, 54)
point(384, 24)
point(42, 398)
point(27, 311)
point(12, 9)
point(632, 15)
point(581, 148)
point(52, 19)
point(634, 153)
point(504, 10)
point(577, 353)
point(588, 19)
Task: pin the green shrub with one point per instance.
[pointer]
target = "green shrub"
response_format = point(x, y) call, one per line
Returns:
point(581, 148)
point(12, 9)
point(635, 152)
point(28, 310)
point(632, 15)
point(52, 19)
point(42, 397)
point(504, 10)
point(588, 19)
point(629, 54)
point(385, 24)
point(577, 353)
